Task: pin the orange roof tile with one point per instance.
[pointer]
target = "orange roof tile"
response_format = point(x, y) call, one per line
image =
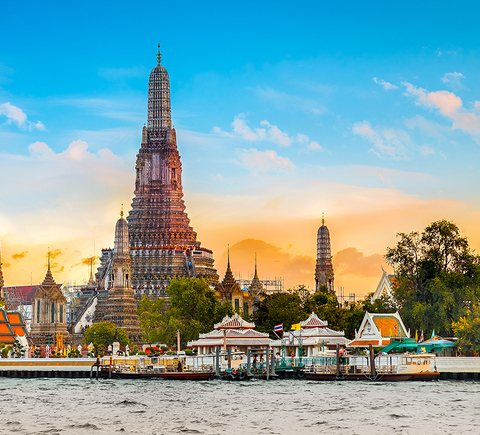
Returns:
point(15, 318)
point(388, 327)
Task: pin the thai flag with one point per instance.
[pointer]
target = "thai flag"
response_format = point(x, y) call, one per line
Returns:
point(421, 337)
point(278, 328)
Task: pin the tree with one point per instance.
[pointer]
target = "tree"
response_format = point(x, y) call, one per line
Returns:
point(287, 308)
point(467, 329)
point(103, 335)
point(437, 276)
point(192, 308)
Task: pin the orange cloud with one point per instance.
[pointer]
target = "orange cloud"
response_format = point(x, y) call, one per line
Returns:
point(272, 262)
point(6, 265)
point(20, 255)
point(350, 261)
point(55, 253)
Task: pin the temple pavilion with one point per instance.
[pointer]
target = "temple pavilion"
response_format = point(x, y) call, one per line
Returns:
point(379, 329)
point(231, 333)
point(314, 336)
point(242, 299)
point(49, 313)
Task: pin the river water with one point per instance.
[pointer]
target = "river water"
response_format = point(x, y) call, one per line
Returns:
point(86, 406)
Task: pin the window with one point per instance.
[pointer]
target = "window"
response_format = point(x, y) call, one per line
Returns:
point(237, 305)
point(53, 312)
point(245, 308)
point(61, 314)
point(38, 311)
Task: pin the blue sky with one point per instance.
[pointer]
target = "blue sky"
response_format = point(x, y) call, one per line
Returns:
point(368, 112)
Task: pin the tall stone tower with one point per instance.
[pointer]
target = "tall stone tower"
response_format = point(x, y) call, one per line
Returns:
point(49, 313)
point(121, 308)
point(163, 245)
point(324, 268)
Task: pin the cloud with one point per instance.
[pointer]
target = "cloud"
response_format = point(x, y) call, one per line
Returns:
point(350, 261)
point(446, 52)
point(449, 105)
point(426, 150)
point(272, 262)
point(267, 132)
point(19, 255)
point(18, 116)
point(55, 253)
point(431, 128)
point(275, 203)
point(284, 101)
point(258, 162)
point(454, 78)
point(87, 261)
point(386, 85)
point(387, 142)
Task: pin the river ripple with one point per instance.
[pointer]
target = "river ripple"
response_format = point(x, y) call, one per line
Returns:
point(84, 406)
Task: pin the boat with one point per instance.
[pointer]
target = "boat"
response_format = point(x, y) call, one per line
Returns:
point(385, 368)
point(149, 367)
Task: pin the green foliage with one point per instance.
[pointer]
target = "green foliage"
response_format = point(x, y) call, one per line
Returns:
point(193, 309)
point(467, 329)
point(102, 335)
point(286, 308)
point(74, 353)
point(437, 276)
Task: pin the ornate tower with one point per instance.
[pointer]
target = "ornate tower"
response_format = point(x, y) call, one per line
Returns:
point(163, 245)
point(49, 313)
point(121, 308)
point(324, 268)
point(256, 286)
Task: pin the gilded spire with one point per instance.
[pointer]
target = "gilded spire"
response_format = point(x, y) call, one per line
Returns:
point(255, 286)
point(48, 280)
point(323, 218)
point(228, 256)
point(121, 211)
point(159, 55)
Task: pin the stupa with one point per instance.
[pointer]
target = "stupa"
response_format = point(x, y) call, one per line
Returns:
point(324, 275)
point(121, 307)
point(49, 313)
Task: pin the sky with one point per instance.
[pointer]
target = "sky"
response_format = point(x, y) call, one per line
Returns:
point(368, 112)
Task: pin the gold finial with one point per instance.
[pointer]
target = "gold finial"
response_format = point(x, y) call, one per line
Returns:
point(323, 218)
point(159, 55)
point(121, 212)
point(48, 258)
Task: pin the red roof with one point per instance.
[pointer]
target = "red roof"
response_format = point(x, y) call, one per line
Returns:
point(23, 293)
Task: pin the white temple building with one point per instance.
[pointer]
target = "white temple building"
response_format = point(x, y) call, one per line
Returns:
point(314, 336)
point(378, 329)
point(384, 287)
point(232, 332)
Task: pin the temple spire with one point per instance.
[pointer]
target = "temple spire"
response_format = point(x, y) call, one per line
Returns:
point(323, 218)
point(121, 211)
point(159, 55)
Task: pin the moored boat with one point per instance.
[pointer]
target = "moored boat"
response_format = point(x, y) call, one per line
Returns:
point(387, 368)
